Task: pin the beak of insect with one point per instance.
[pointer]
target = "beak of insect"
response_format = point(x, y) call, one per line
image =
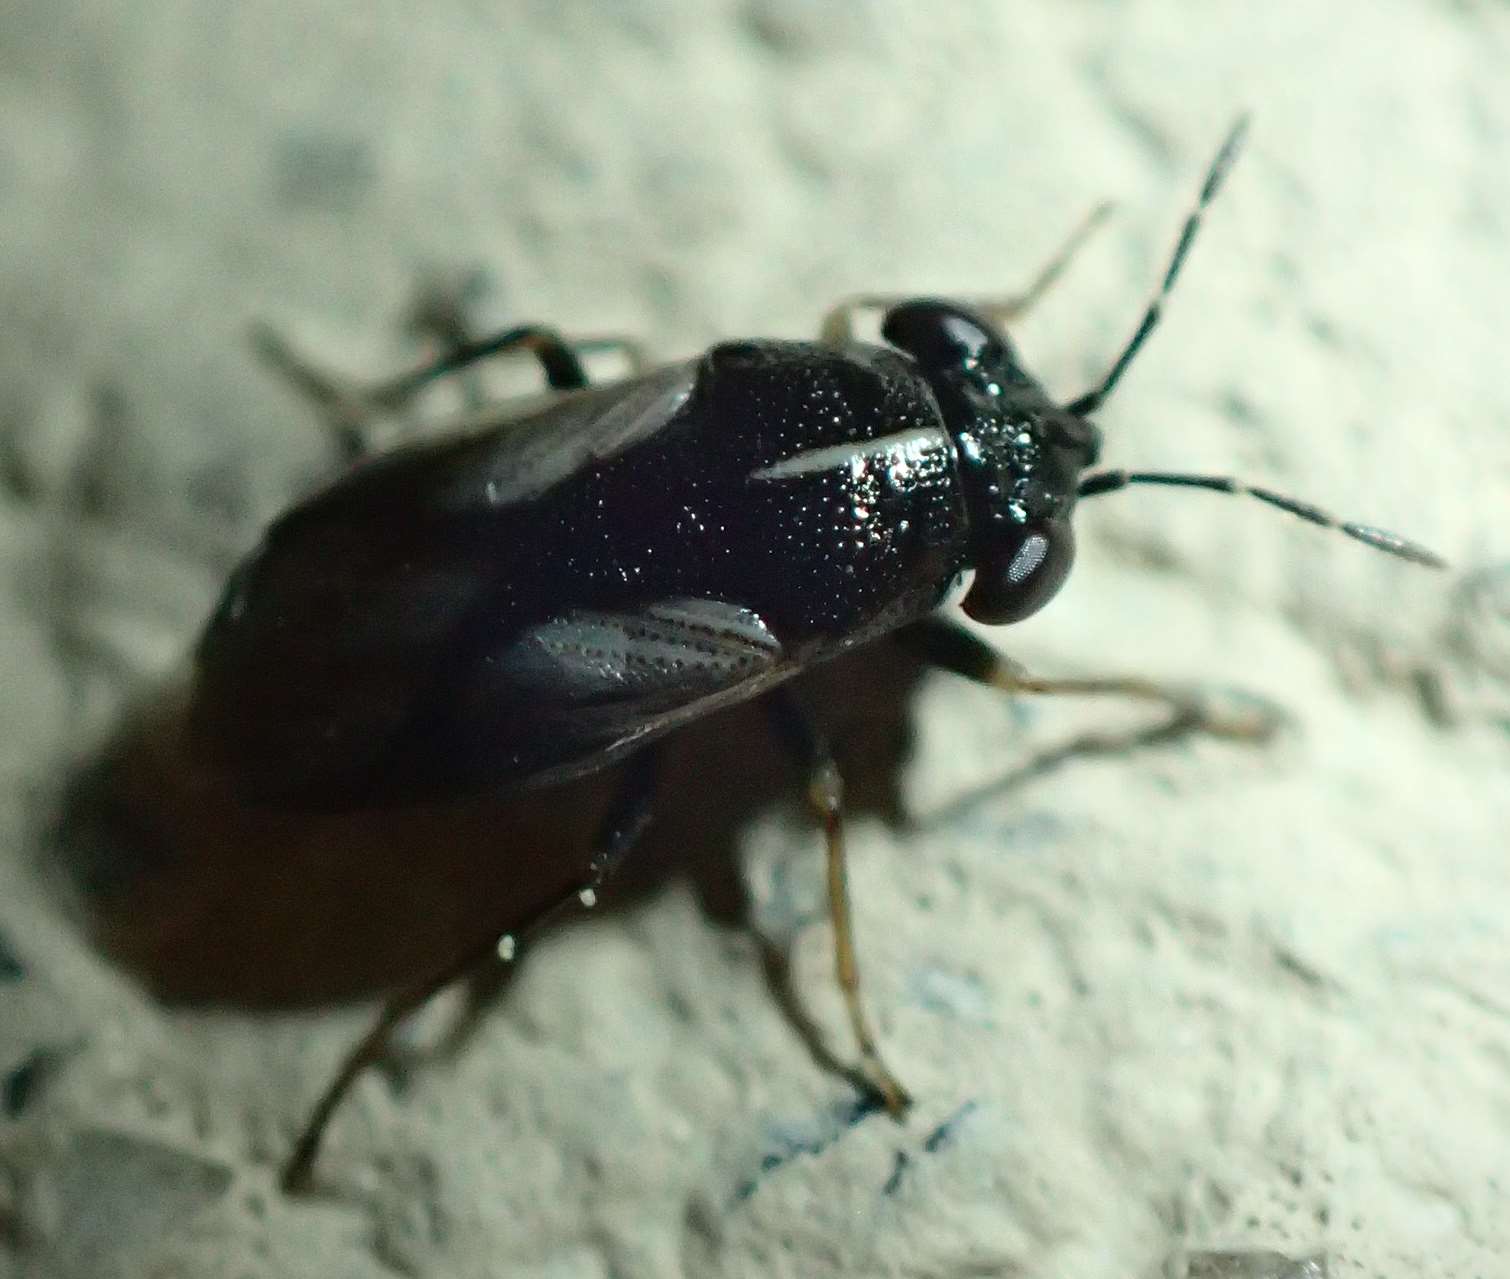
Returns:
point(1016, 579)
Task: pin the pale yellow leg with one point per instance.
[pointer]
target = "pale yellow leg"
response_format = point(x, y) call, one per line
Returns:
point(839, 323)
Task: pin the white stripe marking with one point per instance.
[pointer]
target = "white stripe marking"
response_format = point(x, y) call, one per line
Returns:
point(833, 457)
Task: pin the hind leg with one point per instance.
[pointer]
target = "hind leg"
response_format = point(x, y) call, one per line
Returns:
point(626, 820)
point(439, 313)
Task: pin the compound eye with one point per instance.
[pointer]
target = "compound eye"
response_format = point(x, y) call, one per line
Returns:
point(1023, 578)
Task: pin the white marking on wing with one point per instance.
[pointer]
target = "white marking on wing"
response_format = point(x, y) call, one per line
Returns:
point(882, 450)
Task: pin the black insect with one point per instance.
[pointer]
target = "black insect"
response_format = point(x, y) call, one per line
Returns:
point(535, 598)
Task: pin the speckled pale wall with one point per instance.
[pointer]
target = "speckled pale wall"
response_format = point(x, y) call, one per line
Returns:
point(1191, 997)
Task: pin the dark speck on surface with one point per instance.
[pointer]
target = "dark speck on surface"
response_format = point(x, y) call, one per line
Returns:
point(898, 1170)
point(944, 1133)
point(11, 968)
point(935, 1141)
point(320, 170)
point(1239, 409)
point(1324, 330)
point(21, 1086)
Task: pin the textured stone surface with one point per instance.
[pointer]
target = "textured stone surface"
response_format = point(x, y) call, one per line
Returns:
point(1159, 1005)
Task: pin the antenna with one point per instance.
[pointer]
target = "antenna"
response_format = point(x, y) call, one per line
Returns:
point(1088, 403)
point(1380, 539)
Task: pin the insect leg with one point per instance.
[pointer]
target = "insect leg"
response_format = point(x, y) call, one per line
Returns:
point(627, 817)
point(949, 646)
point(839, 324)
point(346, 405)
point(558, 361)
point(443, 308)
point(825, 796)
point(441, 313)
point(632, 351)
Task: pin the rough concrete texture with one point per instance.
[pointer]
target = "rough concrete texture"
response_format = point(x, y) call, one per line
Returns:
point(1190, 1007)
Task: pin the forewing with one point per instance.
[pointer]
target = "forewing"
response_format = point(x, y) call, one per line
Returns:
point(330, 640)
point(492, 464)
point(320, 649)
point(587, 686)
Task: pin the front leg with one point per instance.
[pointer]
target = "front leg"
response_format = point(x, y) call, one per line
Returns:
point(951, 647)
point(1000, 309)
